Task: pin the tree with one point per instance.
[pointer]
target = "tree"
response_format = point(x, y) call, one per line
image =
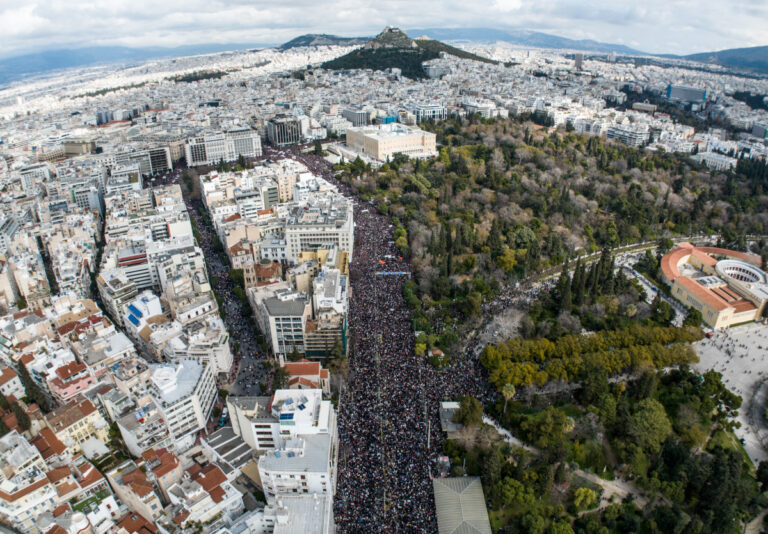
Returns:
point(34, 393)
point(595, 385)
point(514, 492)
point(506, 260)
point(560, 527)
point(548, 427)
point(470, 412)
point(492, 464)
point(280, 379)
point(338, 349)
point(318, 150)
point(649, 426)
point(508, 392)
point(294, 355)
point(584, 498)
point(661, 312)
point(762, 475)
point(237, 277)
point(693, 318)
point(21, 416)
point(563, 291)
point(358, 167)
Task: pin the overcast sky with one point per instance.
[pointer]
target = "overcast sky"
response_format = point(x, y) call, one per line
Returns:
point(670, 26)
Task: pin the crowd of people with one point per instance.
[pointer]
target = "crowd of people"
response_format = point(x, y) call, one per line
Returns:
point(390, 402)
point(389, 429)
point(247, 367)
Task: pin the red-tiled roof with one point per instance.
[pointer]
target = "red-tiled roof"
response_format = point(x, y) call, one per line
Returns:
point(70, 369)
point(702, 293)
point(69, 414)
point(6, 375)
point(210, 478)
point(303, 382)
point(26, 490)
point(138, 482)
point(168, 462)
point(135, 523)
point(217, 494)
point(743, 306)
point(302, 368)
point(54, 475)
point(181, 517)
point(63, 509)
point(672, 259)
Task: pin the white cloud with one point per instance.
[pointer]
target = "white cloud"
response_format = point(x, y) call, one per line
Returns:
point(675, 26)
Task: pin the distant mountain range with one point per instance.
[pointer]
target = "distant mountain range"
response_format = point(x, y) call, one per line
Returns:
point(522, 38)
point(393, 48)
point(754, 59)
point(20, 67)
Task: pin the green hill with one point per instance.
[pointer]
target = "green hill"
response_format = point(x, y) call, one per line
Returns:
point(753, 59)
point(392, 48)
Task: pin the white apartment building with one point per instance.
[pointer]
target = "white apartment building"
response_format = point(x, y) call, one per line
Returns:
point(184, 392)
point(9, 226)
point(326, 219)
point(25, 491)
point(715, 161)
point(289, 514)
point(205, 341)
point(305, 462)
point(141, 314)
point(124, 178)
point(629, 134)
point(298, 430)
point(285, 317)
point(228, 145)
point(425, 112)
point(10, 384)
point(144, 428)
point(203, 495)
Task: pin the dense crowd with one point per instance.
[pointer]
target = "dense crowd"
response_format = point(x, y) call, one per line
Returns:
point(391, 400)
point(247, 369)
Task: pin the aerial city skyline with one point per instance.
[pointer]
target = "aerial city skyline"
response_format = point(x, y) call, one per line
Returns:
point(372, 280)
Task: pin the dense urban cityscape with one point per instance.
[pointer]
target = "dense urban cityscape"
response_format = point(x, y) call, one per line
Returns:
point(385, 285)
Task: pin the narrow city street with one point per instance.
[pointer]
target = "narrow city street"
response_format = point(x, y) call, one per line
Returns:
point(248, 369)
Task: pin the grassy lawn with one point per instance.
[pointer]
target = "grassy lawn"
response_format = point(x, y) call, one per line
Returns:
point(728, 441)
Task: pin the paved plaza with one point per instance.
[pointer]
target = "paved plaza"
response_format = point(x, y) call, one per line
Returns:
point(741, 355)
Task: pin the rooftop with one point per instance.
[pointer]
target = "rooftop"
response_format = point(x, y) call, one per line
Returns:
point(174, 381)
point(460, 505)
point(308, 453)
